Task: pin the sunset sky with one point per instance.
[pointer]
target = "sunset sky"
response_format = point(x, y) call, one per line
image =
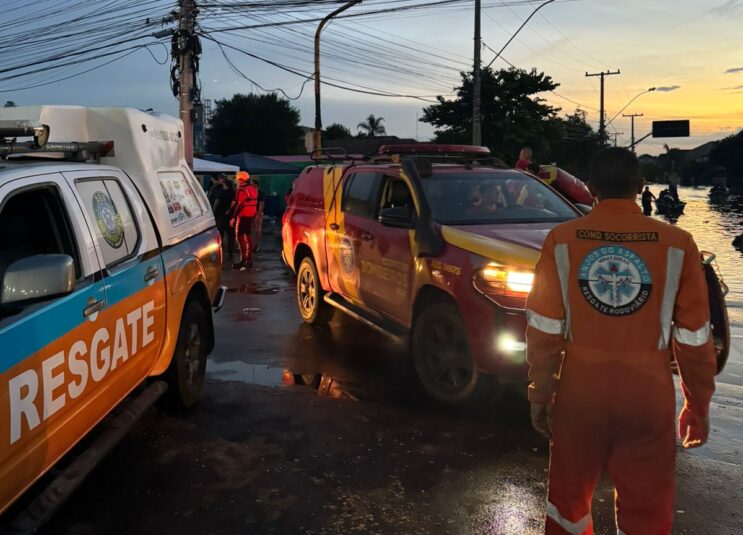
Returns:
point(696, 45)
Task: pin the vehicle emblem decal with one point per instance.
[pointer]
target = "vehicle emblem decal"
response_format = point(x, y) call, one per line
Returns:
point(347, 257)
point(615, 280)
point(108, 219)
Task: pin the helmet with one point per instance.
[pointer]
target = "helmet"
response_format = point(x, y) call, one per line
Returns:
point(242, 176)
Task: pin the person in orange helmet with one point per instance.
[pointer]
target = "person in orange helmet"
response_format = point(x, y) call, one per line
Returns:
point(616, 296)
point(244, 210)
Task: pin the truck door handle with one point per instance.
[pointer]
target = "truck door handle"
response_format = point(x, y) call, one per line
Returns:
point(367, 236)
point(151, 273)
point(93, 306)
point(334, 226)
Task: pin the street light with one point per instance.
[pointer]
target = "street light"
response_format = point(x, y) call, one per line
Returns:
point(317, 137)
point(476, 72)
point(649, 90)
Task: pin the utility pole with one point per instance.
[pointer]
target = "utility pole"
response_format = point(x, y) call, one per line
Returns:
point(186, 24)
point(616, 135)
point(632, 118)
point(317, 136)
point(477, 81)
point(602, 118)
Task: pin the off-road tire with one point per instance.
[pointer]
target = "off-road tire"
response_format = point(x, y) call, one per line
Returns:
point(313, 309)
point(442, 358)
point(185, 375)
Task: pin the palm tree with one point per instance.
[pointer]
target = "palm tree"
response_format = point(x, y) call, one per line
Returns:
point(373, 126)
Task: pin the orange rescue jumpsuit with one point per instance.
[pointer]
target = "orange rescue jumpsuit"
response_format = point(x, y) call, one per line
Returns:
point(618, 293)
point(246, 202)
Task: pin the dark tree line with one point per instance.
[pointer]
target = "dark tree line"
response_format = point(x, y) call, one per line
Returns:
point(514, 115)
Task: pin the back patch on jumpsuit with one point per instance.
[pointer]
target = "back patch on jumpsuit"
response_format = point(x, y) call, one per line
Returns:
point(615, 280)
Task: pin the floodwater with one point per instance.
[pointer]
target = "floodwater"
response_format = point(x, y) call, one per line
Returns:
point(714, 226)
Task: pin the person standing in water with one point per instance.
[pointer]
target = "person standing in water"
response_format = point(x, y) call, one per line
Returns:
point(647, 201)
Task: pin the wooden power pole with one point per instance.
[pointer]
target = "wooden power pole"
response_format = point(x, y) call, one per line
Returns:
point(186, 26)
point(602, 118)
point(632, 118)
point(477, 81)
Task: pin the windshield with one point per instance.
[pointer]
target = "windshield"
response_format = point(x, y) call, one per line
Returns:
point(483, 197)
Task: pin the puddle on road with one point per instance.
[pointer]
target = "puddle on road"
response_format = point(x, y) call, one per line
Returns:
point(246, 314)
point(262, 375)
point(252, 288)
point(243, 372)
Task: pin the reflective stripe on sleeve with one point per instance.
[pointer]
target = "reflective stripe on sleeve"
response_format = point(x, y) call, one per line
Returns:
point(545, 324)
point(562, 260)
point(674, 266)
point(692, 338)
point(576, 528)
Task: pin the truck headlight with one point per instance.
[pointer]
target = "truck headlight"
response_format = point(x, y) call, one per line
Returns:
point(497, 282)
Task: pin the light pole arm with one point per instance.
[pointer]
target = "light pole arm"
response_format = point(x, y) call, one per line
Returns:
point(630, 102)
point(317, 138)
point(643, 138)
point(517, 32)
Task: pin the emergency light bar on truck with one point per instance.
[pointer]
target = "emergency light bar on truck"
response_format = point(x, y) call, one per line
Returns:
point(429, 149)
point(425, 154)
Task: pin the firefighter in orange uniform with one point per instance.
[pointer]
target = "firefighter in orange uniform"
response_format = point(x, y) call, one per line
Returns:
point(244, 210)
point(616, 295)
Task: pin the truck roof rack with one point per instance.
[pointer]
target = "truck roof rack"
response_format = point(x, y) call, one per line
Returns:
point(70, 150)
point(21, 128)
point(334, 154)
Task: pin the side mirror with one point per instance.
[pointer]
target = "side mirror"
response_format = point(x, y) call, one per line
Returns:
point(584, 208)
point(37, 277)
point(397, 216)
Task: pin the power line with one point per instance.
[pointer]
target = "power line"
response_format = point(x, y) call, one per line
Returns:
point(580, 104)
point(363, 89)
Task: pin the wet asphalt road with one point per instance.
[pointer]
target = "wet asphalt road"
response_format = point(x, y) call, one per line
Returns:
point(376, 456)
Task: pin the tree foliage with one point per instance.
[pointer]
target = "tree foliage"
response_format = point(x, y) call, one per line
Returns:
point(261, 124)
point(571, 141)
point(513, 115)
point(729, 154)
point(337, 131)
point(372, 127)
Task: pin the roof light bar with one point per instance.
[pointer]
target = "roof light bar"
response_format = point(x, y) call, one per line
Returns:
point(433, 149)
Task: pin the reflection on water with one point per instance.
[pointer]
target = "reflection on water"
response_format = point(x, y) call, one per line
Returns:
point(714, 226)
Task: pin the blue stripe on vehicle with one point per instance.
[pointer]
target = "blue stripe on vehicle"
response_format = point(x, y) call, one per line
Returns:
point(34, 331)
point(31, 333)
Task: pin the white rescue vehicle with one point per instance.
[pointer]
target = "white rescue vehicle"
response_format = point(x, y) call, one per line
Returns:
point(110, 264)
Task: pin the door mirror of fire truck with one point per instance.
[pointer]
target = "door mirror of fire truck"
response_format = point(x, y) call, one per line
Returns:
point(397, 216)
point(37, 277)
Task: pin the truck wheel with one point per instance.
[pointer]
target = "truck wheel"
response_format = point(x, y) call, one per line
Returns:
point(186, 372)
point(442, 357)
point(310, 302)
